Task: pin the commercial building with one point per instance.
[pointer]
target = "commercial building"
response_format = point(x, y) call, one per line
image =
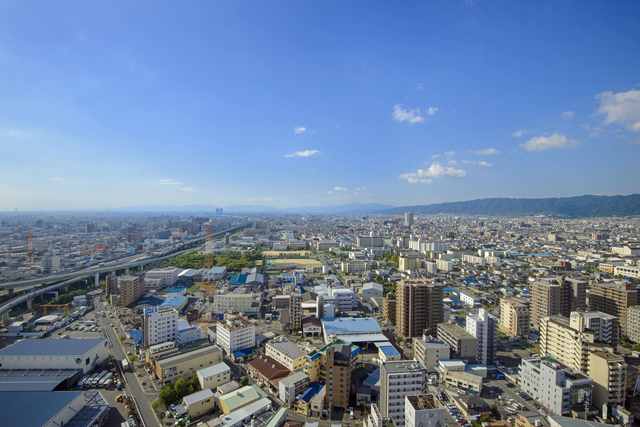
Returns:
point(552, 296)
point(484, 327)
point(131, 289)
point(267, 372)
point(169, 274)
point(51, 264)
point(185, 365)
point(292, 386)
point(38, 355)
point(399, 379)
point(372, 290)
point(286, 353)
point(60, 408)
point(614, 298)
point(236, 333)
point(159, 325)
point(352, 329)
point(418, 307)
point(214, 376)
point(234, 400)
point(429, 351)
point(188, 333)
point(199, 403)
point(463, 345)
point(555, 385)
point(354, 267)
point(423, 410)
point(346, 299)
point(233, 302)
point(515, 317)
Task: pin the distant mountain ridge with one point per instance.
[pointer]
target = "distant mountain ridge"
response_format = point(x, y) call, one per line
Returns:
point(563, 207)
point(350, 208)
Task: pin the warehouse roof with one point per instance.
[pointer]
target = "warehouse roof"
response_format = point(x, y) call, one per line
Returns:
point(43, 348)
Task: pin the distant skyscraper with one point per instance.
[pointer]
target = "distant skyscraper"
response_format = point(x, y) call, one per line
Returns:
point(408, 219)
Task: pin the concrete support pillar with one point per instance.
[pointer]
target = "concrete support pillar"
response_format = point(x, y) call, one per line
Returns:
point(5, 318)
point(66, 288)
point(29, 303)
point(126, 270)
point(97, 280)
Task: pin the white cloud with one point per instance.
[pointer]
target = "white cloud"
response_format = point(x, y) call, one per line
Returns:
point(449, 153)
point(487, 152)
point(435, 156)
point(299, 129)
point(556, 140)
point(188, 190)
point(521, 133)
point(568, 115)
point(469, 162)
point(622, 108)
point(166, 182)
point(401, 115)
point(485, 164)
point(432, 111)
point(60, 180)
point(305, 153)
point(358, 189)
point(436, 170)
point(452, 162)
point(340, 189)
point(421, 86)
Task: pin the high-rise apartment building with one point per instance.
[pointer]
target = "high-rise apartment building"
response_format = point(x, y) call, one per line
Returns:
point(484, 327)
point(564, 343)
point(515, 317)
point(159, 325)
point(552, 296)
point(397, 380)
point(389, 308)
point(111, 287)
point(423, 410)
point(633, 323)
point(295, 310)
point(338, 360)
point(418, 307)
point(605, 327)
point(615, 299)
point(408, 219)
point(463, 345)
point(609, 374)
point(131, 289)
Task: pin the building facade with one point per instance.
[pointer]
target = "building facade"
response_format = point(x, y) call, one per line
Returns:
point(399, 379)
point(159, 325)
point(131, 289)
point(484, 327)
point(236, 333)
point(463, 345)
point(418, 307)
point(615, 299)
point(515, 317)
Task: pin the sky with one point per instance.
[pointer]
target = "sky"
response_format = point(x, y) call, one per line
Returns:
point(315, 103)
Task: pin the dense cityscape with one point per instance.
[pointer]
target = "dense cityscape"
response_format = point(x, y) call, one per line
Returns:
point(230, 320)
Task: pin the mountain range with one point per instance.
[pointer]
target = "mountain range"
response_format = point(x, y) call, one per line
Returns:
point(350, 208)
point(563, 207)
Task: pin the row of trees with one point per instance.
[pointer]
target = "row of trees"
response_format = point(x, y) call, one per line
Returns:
point(234, 261)
point(173, 393)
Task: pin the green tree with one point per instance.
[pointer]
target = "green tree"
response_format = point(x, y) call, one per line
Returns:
point(193, 384)
point(181, 388)
point(122, 338)
point(167, 395)
point(132, 358)
point(244, 381)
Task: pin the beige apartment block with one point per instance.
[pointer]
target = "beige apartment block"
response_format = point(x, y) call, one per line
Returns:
point(131, 289)
point(408, 263)
point(551, 296)
point(418, 307)
point(515, 317)
point(389, 308)
point(633, 323)
point(609, 374)
point(615, 299)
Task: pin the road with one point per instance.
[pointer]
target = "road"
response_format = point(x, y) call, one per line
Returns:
point(132, 385)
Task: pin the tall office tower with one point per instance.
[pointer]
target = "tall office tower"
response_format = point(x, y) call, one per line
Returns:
point(159, 325)
point(111, 285)
point(614, 299)
point(557, 296)
point(515, 317)
point(131, 289)
point(484, 327)
point(399, 379)
point(408, 219)
point(418, 307)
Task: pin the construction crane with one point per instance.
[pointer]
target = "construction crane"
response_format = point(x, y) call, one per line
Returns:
point(208, 278)
point(66, 308)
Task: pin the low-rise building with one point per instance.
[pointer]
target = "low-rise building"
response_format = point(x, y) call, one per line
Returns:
point(214, 376)
point(429, 351)
point(292, 386)
point(423, 410)
point(199, 403)
point(234, 400)
point(463, 345)
point(267, 372)
point(185, 365)
point(286, 353)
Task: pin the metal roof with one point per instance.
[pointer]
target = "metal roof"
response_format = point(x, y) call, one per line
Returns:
point(44, 348)
point(198, 396)
point(13, 406)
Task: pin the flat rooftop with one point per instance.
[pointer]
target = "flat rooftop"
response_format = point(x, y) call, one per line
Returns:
point(44, 348)
point(402, 366)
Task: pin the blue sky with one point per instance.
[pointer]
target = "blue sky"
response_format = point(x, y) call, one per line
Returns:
point(112, 104)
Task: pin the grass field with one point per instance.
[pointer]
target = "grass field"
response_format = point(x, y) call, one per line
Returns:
point(299, 262)
point(285, 253)
point(195, 287)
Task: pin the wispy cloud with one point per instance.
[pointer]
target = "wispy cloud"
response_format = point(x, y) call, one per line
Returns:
point(420, 86)
point(299, 129)
point(469, 162)
point(556, 140)
point(568, 115)
point(340, 189)
point(485, 164)
point(521, 133)
point(487, 152)
point(622, 108)
point(449, 153)
point(60, 180)
point(432, 111)
point(436, 170)
point(166, 182)
point(305, 153)
point(188, 190)
point(411, 116)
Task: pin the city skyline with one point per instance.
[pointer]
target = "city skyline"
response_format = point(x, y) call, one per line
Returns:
point(306, 104)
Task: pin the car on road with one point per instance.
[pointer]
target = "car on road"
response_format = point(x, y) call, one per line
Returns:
point(510, 385)
point(172, 407)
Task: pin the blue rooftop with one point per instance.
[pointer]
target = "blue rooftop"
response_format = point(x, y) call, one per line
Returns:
point(136, 335)
point(238, 279)
point(343, 325)
point(311, 391)
point(389, 350)
point(177, 290)
point(242, 353)
point(175, 301)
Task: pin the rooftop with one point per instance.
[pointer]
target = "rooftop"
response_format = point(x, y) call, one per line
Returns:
point(34, 347)
point(402, 366)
